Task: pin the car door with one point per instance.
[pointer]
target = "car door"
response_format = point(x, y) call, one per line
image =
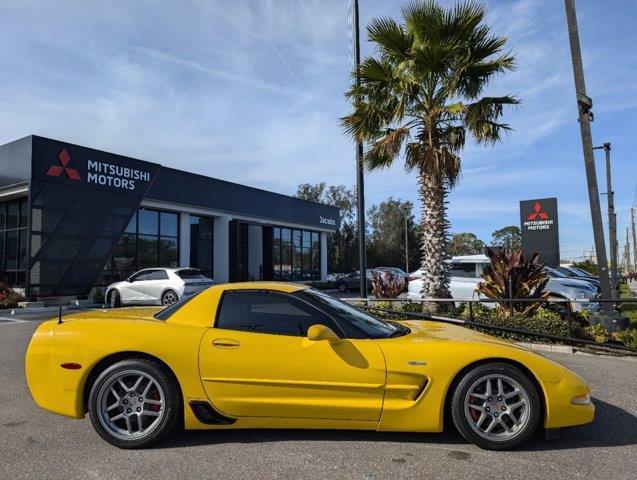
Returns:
point(257, 361)
point(133, 290)
point(155, 285)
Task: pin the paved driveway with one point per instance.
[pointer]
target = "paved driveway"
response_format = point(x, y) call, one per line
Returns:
point(35, 444)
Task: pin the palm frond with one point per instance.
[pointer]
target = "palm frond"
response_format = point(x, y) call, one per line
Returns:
point(384, 151)
point(390, 37)
point(481, 118)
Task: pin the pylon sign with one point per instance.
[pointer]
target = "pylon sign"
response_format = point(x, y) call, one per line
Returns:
point(539, 229)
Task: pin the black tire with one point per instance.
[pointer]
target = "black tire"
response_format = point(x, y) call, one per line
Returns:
point(529, 420)
point(169, 297)
point(342, 287)
point(165, 418)
point(114, 299)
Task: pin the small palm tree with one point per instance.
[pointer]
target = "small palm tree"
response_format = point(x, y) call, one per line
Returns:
point(419, 97)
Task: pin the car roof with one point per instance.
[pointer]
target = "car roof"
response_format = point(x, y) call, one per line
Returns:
point(470, 259)
point(277, 286)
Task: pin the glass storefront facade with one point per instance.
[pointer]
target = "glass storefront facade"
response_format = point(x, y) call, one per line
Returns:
point(296, 254)
point(151, 239)
point(13, 242)
point(201, 243)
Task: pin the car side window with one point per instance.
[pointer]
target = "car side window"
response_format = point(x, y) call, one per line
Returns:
point(138, 277)
point(264, 311)
point(157, 275)
point(466, 270)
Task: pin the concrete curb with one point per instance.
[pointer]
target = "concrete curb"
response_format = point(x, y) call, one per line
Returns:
point(543, 347)
point(55, 309)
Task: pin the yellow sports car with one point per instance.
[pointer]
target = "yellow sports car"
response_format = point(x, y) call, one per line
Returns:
point(273, 355)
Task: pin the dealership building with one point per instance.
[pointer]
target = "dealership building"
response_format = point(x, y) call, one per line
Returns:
point(73, 217)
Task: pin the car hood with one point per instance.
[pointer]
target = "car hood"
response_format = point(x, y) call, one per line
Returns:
point(423, 331)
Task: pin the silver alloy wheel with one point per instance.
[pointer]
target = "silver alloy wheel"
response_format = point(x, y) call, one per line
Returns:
point(130, 404)
point(170, 298)
point(497, 407)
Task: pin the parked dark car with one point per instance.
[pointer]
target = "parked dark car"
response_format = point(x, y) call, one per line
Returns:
point(352, 280)
point(577, 274)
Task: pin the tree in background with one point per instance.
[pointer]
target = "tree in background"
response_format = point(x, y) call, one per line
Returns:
point(508, 238)
point(386, 238)
point(587, 265)
point(419, 98)
point(342, 246)
point(465, 244)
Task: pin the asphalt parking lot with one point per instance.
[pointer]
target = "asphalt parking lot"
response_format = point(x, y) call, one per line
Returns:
point(36, 444)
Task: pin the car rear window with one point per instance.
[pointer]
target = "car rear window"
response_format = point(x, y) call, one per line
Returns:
point(192, 273)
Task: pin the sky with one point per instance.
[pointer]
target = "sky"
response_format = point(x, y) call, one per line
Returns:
point(251, 91)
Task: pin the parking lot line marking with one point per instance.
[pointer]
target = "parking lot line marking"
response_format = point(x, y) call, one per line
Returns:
point(7, 320)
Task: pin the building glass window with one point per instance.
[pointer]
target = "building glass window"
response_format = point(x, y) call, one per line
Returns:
point(296, 254)
point(151, 239)
point(13, 242)
point(201, 243)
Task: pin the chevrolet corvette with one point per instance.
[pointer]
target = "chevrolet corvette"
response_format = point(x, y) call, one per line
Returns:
point(276, 355)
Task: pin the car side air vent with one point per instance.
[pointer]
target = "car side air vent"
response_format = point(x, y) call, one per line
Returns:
point(205, 413)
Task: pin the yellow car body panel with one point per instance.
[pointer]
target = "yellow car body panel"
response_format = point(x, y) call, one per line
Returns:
point(278, 381)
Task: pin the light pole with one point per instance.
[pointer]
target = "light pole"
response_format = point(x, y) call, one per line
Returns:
point(612, 220)
point(360, 177)
point(584, 104)
point(406, 242)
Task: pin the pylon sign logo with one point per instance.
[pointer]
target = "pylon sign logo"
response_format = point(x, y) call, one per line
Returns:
point(56, 170)
point(538, 213)
point(538, 219)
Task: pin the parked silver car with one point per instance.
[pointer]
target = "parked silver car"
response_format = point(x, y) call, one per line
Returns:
point(157, 286)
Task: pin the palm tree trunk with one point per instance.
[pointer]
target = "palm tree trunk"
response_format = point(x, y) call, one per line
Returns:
point(434, 237)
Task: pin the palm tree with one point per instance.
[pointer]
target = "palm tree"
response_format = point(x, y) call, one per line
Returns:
point(419, 98)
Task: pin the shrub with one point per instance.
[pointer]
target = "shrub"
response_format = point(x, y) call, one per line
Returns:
point(387, 285)
point(412, 307)
point(98, 295)
point(8, 297)
point(320, 285)
point(628, 337)
point(512, 276)
point(597, 333)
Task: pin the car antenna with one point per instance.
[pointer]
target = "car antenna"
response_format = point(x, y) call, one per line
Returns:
point(60, 315)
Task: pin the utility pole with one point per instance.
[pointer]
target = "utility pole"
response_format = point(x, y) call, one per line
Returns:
point(627, 253)
point(360, 177)
point(584, 104)
point(612, 221)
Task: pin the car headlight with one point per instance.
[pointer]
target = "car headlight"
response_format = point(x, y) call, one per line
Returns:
point(582, 294)
point(581, 400)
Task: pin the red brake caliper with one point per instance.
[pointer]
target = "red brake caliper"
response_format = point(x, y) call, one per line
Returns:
point(154, 396)
point(472, 411)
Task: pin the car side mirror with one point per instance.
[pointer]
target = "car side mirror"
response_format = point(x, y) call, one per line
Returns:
point(130, 279)
point(320, 332)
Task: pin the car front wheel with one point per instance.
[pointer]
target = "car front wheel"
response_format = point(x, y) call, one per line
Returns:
point(114, 299)
point(342, 287)
point(496, 406)
point(134, 403)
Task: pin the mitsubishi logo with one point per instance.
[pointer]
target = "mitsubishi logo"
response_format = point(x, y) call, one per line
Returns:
point(538, 213)
point(56, 170)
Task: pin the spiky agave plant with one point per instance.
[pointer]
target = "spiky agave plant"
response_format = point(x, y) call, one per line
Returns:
point(419, 98)
point(513, 276)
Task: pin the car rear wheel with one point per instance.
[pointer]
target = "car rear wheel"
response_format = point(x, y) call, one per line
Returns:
point(114, 299)
point(496, 406)
point(134, 403)
point(342, 287)
point(169, 298)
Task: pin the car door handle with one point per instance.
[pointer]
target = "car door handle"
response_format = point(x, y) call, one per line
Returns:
point(225, 343)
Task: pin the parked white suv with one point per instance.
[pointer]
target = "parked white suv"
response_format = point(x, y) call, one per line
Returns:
point(467, 270)
point(157, 286)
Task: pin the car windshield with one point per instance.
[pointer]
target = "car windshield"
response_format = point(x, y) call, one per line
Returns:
point(554, 273)
point(372, 327)
point(566, 271)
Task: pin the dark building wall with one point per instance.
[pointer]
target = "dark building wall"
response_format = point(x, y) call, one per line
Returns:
point(186, 188)
point(15, 162)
